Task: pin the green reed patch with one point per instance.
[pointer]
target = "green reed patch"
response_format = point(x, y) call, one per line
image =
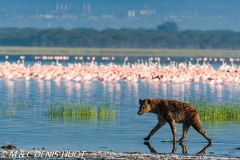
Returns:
point(215, 111)
point(103, 111)
point(11, 108)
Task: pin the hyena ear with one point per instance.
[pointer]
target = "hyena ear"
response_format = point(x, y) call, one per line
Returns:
point(140, 101)
point(149, 101)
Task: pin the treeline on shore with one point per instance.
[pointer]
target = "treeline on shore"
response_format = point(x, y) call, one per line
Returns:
point(120, 38)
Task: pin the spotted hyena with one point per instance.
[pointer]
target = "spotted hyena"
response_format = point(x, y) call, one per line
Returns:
point(172, 111)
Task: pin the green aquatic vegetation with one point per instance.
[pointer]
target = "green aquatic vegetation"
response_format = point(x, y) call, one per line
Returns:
point(16, 108)
point(8, 110)
point(215, 111)
point(219, 111)
point(82, 111)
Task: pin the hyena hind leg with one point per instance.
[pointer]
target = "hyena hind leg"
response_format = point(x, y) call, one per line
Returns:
point(197, 126)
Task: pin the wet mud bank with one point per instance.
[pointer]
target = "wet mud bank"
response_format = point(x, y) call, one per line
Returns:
point(95, 155)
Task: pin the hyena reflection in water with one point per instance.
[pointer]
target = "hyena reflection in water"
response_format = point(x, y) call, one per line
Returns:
point(174, 149)
point(172, 111)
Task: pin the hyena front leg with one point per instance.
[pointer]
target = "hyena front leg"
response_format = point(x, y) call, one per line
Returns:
point(186, 126)
point(161, 123)
point(174, 130)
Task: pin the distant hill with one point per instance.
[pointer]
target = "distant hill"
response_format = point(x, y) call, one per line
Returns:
point(102, 14)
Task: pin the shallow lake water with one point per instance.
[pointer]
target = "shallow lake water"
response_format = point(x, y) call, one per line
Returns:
point(29, 125)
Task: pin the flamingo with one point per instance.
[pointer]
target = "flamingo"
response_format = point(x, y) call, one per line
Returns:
point(147, 71)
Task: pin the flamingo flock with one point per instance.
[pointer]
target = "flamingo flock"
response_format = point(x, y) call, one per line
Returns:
point(145, 71)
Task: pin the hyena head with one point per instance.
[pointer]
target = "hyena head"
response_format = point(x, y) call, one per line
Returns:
point(144, 106)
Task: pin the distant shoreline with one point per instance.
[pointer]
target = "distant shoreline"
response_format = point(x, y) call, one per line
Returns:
point(116, 52)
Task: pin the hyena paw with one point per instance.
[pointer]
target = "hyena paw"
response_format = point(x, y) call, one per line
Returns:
point(146, 139)
point(210, 141)
point(180, 140)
